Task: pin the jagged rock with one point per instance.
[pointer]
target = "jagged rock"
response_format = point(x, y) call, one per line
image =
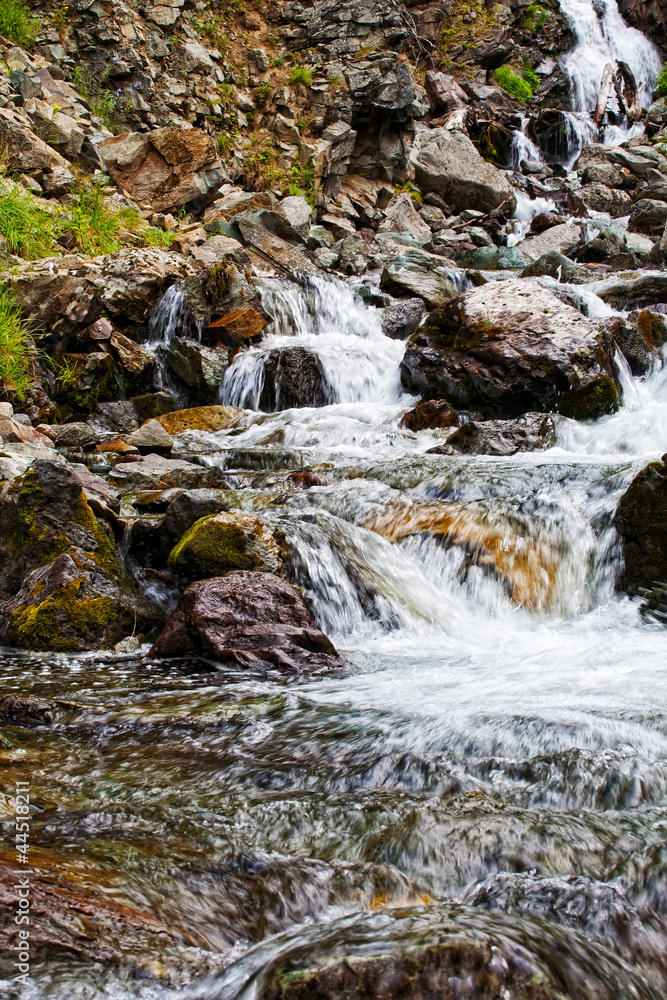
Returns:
point(641, 523)
point(399, 321)
point(137, 362)
point(420, 274)
point(447, 162)
point(248, 618)
point(166, 169)
point(63, 585)
point(237, 327)
point(563, 238)
point(509, 347)
point(444, 92)
point(230, 540)
point(293, 377)
point(402, 217)
point(62, 294)
point(556, 265)
point(272, 248)
point(201, 418)
point(297, 211)
point(530, 432)
point(648, 216)
point(622, 293)
point(189, 507)
point(429, 414)
point(151, 437)
point(198, 368)
point(641, 337)
point(24, 152)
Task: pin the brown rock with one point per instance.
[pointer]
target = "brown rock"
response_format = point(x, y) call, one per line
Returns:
point(133, 358)
point(201, 418)
point(251, 619)
point(237, 327)
point(430, 413)
point(23, 150)
point(165, 169)
point(101, 329)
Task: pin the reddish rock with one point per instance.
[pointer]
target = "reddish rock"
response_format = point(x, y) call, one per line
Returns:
point(248, 618)
point(237, 327)
point(428, 414)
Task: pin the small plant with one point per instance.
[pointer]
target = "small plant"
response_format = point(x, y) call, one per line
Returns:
point(60, 16)
point(263, 92)
point(226, 142)
point(156, 237)
point(16, 348)
point(661, 82)
point(531, 76)
point(80, 81)
point(29, 231)
point(534, 17)
point(103, 106)
point(302, 181)
point(301, 74)
point(513, 84)
point(16, 22)
point(409, 188)
point(277, 61)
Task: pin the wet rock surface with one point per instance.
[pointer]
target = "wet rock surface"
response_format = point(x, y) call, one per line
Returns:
point(248, 618)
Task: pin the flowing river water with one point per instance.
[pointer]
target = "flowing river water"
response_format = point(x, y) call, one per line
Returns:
point(492, 762)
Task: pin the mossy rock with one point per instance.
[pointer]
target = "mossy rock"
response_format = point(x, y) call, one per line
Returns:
point(222, 542)
point(591, 401)
point(66, 621)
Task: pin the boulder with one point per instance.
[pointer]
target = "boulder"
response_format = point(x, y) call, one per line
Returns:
point(75, 435)
point(166, 169)
point(563, 238)
point(201, 418)
point(556, 265)
point(509, 347)
point(154, 472)
point(447, 163)
point(400, 320)
point(137, 362)
point(530, 432)
point(23, 151)
point(188, 507)
point(429, 414)
point(272, 248)
point(649, 217)
point(247, 618)
point(601, 198)
point(63, 586)
point(237, 327)
point(198, 369)
point(419, 274)
point(401, 216)
point(151, 436)
point(641, 523)
point(293, 377)
point(297, 211)
point(222, 542)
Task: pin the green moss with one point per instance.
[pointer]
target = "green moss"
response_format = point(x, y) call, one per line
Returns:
point(590, 402)
point(62, 619)
point(515, 85)
point(661, 83)
point(211, 547)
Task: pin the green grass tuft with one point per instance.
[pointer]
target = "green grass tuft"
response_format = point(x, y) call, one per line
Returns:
point(29, 231)
point(513, 84)
point(16, 22)
point(16, 348)
point(661, 82)
point(96, 226)
point(301, 74)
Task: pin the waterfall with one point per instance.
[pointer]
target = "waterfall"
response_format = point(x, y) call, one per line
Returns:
point(323, 316)
point(171, 317)
point(604, 37)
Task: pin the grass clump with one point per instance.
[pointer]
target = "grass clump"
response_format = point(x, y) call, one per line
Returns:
point(409, 188)
point(302, 182)
point(661, 82)
point(16, 22)
point(96, 226)
point(534, 17)
point(29, 230)
point(16, 348)
point(515, 85)
point(301, 74)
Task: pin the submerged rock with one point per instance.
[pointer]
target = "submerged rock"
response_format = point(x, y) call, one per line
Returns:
point(530, 432)
point(225, 541)
point(248, 618)
point(509, 347)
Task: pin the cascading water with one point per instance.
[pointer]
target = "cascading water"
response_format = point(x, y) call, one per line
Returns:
point(496, 743)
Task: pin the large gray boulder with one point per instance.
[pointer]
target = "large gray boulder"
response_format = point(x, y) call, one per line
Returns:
point(448, 163)
point(510, 347)
point(418, 273)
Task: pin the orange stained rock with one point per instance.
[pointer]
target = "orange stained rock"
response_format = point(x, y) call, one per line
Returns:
point(529, 565)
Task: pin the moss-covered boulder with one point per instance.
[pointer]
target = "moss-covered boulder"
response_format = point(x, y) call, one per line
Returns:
point(62, 584)
point(510, 347)
point(641, 522)
point(227, 541)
